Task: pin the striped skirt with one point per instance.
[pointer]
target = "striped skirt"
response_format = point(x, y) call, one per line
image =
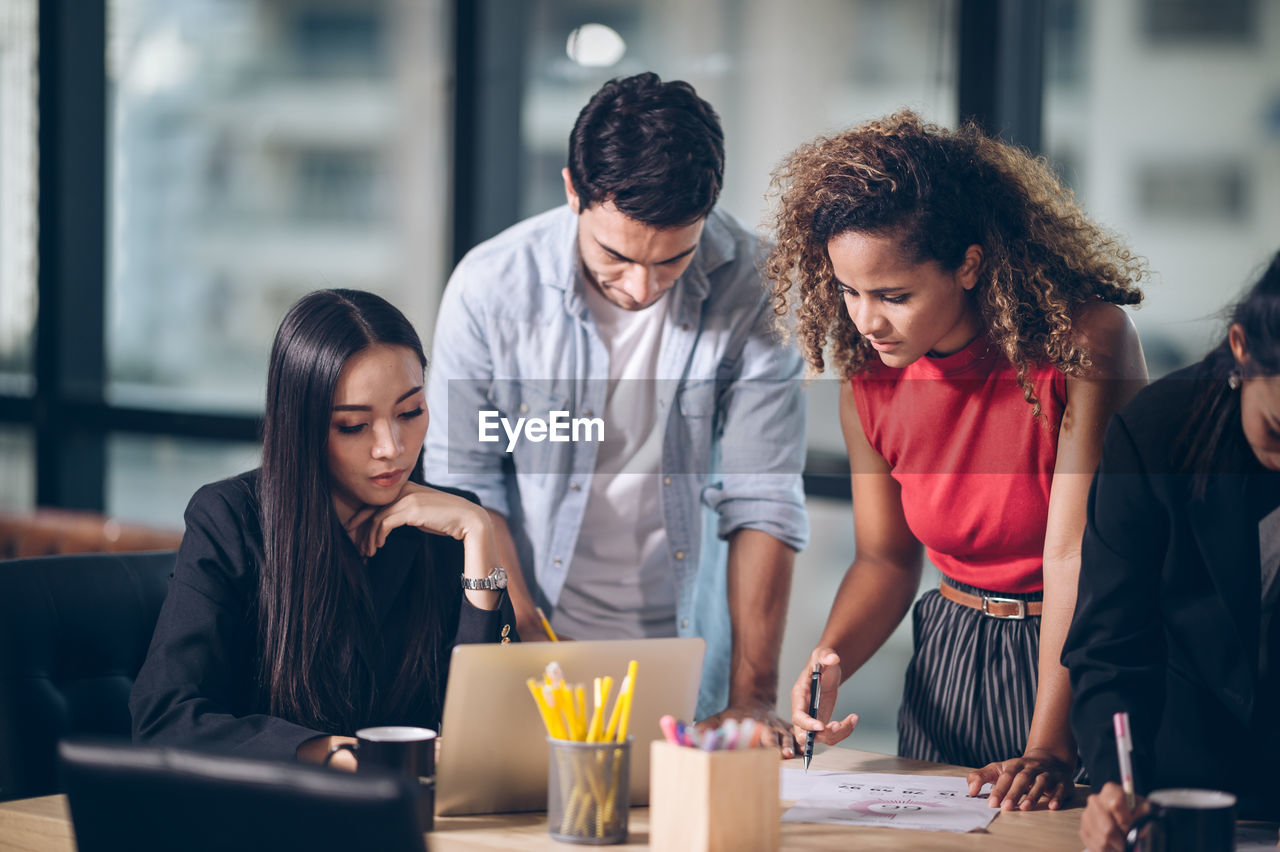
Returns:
point(971, 685)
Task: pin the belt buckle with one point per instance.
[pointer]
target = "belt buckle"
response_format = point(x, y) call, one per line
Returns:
point(1020, 615)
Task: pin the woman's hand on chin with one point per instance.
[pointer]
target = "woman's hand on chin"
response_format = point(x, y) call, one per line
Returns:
point(422, 507)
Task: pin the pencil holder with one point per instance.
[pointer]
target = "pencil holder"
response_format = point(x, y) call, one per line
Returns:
point(713, 801)
point(588, 791)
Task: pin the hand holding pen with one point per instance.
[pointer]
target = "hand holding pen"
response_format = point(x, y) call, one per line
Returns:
point(1124, 751)
point(806, 720)
point(815, 695)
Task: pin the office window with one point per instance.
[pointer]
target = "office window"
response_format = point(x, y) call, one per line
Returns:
point(344, 41)
point(1172, 22)
point(17, 195)
point(151, 478)
point(253, 149)
point(1193, 191)
point(17, 471)
point(237, 188)
point(1158, 153)
point(341, 186)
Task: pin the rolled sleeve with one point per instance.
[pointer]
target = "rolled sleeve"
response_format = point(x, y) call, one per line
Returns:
point(762, 442)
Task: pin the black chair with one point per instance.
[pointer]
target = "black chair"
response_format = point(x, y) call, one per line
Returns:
point(74, 631)
point(148, 799)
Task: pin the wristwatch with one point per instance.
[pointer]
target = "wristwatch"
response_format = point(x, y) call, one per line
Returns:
point(496, 580)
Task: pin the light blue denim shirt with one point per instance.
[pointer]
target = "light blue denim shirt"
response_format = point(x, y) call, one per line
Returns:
point(514, 335)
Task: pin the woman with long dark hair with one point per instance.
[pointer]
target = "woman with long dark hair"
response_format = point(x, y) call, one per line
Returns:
point(323, 592)
point(971, 309)
point(1175, 619)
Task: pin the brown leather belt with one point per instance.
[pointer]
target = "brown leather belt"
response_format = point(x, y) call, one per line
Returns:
point(991, 605)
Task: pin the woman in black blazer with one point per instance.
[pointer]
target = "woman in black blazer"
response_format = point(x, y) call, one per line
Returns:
point(1178, 584)
point(323, 592)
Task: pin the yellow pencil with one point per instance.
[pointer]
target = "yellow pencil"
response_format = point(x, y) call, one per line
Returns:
point(626, 696)
point(593, 730)
point(564, 703)
point(580, 693)
point(546, 625)
point(554, 728)
point(612, 727)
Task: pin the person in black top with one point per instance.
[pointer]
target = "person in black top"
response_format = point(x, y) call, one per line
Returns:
point(1175, 618)
point(323, 592)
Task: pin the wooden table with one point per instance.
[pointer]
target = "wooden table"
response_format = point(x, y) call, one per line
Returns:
point(42, 824)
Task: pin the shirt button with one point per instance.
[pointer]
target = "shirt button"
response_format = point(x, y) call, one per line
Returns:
point(587, 412)
point(524, 407)
point(557, 562)
point(679, 554)
point(684, 624)
point(666, 480)
point(573, 486)
point(684, 326)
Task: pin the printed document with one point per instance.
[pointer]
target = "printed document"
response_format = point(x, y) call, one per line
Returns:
point(922, 802)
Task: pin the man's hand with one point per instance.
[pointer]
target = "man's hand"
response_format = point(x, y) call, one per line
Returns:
point(1021, 782)
point(763, 713)
point(1106, 819)
point(827, 733)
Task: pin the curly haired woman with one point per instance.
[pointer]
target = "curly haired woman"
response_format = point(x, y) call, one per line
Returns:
point(972, 311)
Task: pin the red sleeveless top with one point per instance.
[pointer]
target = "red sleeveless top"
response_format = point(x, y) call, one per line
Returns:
point(974, 465)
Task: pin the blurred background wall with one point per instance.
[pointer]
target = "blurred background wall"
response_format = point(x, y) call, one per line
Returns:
point(174, 173)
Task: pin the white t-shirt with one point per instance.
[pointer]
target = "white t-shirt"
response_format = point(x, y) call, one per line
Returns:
point(620, 582)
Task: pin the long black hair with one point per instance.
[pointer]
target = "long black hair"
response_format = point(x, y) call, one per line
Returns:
point(1209, 438)
point(314, 603)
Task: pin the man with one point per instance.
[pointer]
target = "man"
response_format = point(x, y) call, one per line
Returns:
point(606, 378)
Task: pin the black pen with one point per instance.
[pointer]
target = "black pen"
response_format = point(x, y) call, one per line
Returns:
point(815, 691)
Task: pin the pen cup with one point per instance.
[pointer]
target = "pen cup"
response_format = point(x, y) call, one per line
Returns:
point(713, 801)
point(588, 791)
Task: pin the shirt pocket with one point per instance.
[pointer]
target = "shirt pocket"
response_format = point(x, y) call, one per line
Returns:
point(696, 404)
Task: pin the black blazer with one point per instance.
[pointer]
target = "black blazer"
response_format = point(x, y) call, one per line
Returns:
point(198, 686)
point(1166, 625)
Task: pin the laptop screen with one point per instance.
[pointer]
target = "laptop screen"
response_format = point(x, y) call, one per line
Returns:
point(493, 747)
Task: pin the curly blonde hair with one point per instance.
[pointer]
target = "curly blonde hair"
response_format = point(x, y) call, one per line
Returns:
point(939, 191)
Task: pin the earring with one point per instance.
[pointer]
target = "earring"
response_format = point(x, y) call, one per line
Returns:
point(1233, 380)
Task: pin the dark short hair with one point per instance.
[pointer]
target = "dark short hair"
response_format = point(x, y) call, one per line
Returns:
point(654, 149)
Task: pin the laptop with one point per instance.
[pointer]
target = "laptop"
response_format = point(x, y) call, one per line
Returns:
point(144, 798)
point(493, 749)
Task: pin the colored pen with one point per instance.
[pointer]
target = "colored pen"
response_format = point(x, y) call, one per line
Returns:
point(668, 726)
point(729, 730)
point(546, 625)
point(815, 691)
point(746, 734)
point(1124, 746)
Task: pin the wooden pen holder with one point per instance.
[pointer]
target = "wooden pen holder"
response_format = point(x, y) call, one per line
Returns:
point(713, 801)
